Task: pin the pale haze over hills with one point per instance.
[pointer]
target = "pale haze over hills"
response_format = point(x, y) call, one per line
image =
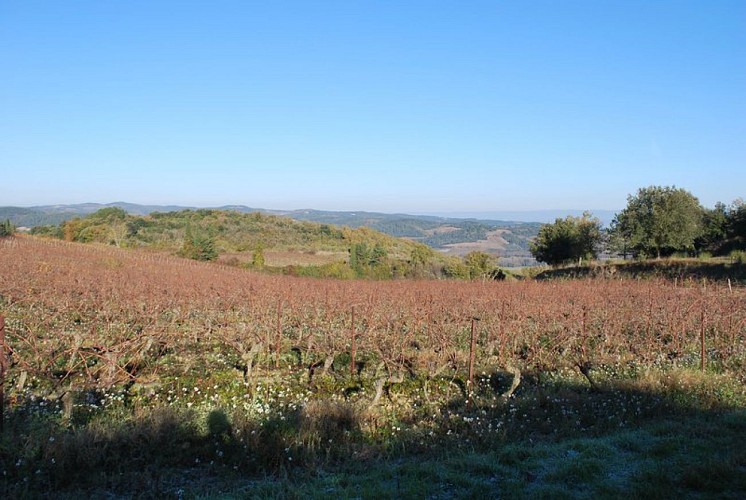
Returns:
point(605, 216)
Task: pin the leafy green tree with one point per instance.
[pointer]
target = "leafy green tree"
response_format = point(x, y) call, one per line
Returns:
point(49, 231)
point(419, 257)
point(736, 223)
point(369, 262)
point(567, 240)
point(479, 265)
point(724, 228)
point(204, 248)
point(456, 269)
point(377, 255)
point(359, 256)
point(198, 246)
point(6, 228)
point(714, 228)
point(660, 221)
point(187, 249)
point(258, 259)
point(109, 213)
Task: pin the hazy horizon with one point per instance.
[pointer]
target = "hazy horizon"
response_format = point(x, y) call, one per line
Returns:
point(418, 107)
point(543, 215)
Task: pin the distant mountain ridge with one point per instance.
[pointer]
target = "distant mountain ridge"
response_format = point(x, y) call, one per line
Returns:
point(356, 218)
point(54, 214)
point(541, 216)
point(44, 215)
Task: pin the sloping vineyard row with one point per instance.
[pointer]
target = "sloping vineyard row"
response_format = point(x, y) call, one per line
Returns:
point(81, 317)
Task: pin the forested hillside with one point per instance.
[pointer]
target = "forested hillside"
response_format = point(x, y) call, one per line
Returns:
point(31, 217)
point(440, 233)
point(260, 241)
point(450, 235)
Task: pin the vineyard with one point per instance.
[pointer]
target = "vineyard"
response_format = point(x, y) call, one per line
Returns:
point(119, 361)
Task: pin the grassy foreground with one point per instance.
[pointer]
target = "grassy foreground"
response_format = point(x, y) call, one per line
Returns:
point(672, 457)
point(651, 435)
point(137, 376)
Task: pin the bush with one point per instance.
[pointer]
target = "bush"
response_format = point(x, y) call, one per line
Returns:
point(198, 246)
point(6, 228)
point(738, 256)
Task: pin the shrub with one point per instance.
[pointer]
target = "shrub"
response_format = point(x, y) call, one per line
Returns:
point(738, 256)
point(6, 228)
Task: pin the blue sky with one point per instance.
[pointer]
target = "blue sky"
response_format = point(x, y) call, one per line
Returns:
point(413, 106)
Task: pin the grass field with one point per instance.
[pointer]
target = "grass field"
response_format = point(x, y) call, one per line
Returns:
point(132, 374)
point(283, 258)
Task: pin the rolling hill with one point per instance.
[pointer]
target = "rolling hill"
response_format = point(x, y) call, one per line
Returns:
point(508, 240)
point(258, 240)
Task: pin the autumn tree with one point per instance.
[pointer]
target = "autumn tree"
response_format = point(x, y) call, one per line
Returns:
point(258, 258)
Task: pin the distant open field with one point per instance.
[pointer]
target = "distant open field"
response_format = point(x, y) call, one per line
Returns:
point(140, 374)
point(493, 243)
point(279, 258)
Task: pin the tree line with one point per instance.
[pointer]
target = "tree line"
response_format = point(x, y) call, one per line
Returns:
point(658, 221)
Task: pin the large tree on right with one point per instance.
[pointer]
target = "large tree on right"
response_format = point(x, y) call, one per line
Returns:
point(658, 221)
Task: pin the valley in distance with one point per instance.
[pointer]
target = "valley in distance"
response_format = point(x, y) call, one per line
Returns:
point(505, 235)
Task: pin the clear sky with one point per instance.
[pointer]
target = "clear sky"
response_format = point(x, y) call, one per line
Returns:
point(394, 106)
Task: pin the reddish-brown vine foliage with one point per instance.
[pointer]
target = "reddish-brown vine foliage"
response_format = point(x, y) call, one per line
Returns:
point(89, 316)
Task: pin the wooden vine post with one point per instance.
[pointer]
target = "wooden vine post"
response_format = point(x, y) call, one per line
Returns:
point(352, 343)
point(583, 336)
point(2, 372)
point(278, 346)
point(703, 328)
point(472, 348)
